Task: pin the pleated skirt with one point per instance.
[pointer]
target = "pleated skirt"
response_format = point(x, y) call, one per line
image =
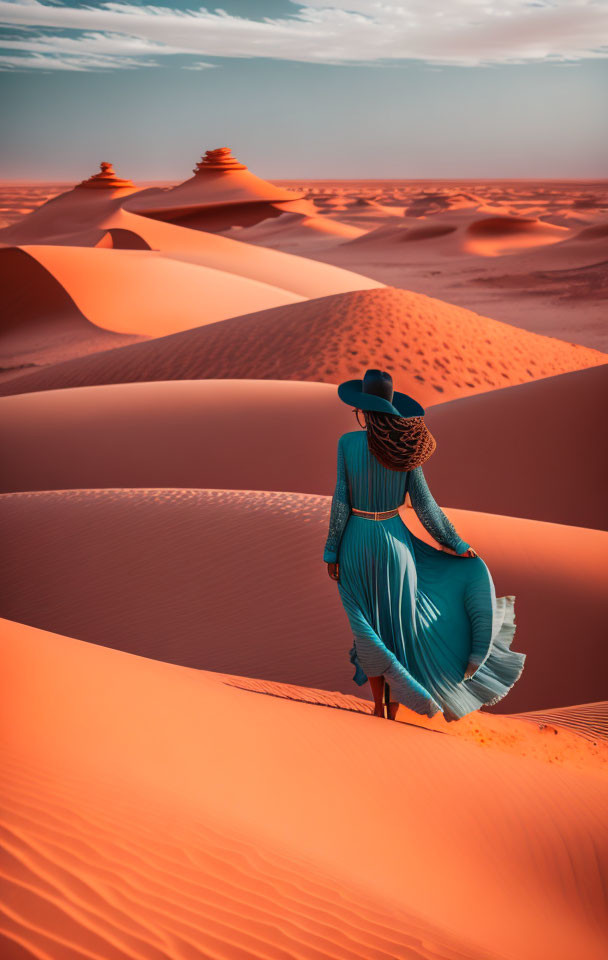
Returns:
point(418, 615)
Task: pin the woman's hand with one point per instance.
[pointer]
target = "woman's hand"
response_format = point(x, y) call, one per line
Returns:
point(470, 670)
point(333, 570)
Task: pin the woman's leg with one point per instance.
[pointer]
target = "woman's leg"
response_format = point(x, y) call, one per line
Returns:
point(377, 685)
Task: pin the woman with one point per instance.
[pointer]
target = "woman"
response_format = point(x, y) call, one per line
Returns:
point(426, 623)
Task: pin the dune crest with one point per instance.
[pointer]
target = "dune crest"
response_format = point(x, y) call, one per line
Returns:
point(434, 350)
point(41, 324)
point(188, 433)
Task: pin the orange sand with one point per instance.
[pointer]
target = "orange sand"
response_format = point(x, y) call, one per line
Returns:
point(41, 323)
point(199, 577)
point(144, 292)
point(531, 450)
point(177, 433)
point(434, 350)
point(152, 810)
point(291, 830)
point(531, 253)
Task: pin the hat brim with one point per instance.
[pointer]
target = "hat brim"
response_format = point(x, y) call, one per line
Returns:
point(351, 392)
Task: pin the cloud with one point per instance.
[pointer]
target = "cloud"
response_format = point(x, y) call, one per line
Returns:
point(464, 33)
point(74, 64)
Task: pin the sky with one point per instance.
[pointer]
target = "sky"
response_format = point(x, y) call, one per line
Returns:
point(323, 89)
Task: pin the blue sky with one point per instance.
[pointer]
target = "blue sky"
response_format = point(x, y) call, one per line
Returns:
point(349, 88)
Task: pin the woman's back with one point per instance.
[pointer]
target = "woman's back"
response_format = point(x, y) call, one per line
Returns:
point(371, 485)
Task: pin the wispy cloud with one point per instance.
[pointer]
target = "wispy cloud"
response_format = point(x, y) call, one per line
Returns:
point(464, 33)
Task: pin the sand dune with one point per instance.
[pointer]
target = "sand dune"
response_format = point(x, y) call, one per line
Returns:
point(388, 237)
point(529, 451)
point(222, 193)
point(309, 278)
point(127, 834)
point(40, 322)
point(520, 278)
point(434, 350)
point(295, 231)
point(247, 434)
point(198, 775)
point(588, 720)
point(96, 218)
point(491, 236)
point(144, 292)
point(189, 433)
point(597, 232)
point(67, 213)
point(150, 278)
point(487, 236)
point(223, 580)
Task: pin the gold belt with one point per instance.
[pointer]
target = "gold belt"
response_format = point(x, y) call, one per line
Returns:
point(376, 514)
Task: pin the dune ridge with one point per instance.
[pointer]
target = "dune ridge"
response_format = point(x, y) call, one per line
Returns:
point(161, 434)
point(40, 322)
point(174, 433)
point(436, 350)
point(588, 720)
point(544, 431)
point(144, 292)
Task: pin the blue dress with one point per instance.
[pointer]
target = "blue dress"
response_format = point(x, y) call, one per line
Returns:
point(417, 615)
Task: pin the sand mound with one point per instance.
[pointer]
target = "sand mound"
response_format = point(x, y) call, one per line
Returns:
point(545, 432)
point(122, 568)
point(144, 292)
point(493, 236)
point(222, 192)
point(487, 237)
point(40, 322)
point(434, 350)
point(388, 236)
point(294, 230)
point(131, 831)
point(589, 720)
point(307, 278)
point(82, 224)
point(503, 226)
point(179, 433)
point(597, 232)
point(68, 213)
point(428, 233)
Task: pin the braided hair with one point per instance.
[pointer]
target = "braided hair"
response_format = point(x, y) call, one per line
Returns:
point(399, 443)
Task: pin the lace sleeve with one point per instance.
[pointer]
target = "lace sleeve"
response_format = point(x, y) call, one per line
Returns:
point(340, 510)
point(431, 515)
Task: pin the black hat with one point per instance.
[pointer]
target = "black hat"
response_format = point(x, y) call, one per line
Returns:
point(375, 392)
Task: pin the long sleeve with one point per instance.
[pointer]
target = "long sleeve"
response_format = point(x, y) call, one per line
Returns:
point(340, 510)
point(431, 515)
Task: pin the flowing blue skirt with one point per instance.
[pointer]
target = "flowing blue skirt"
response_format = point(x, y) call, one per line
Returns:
point(418, 615)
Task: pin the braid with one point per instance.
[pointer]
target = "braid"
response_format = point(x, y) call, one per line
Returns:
point(399, 443)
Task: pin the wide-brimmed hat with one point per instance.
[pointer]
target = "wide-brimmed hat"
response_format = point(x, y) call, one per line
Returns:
point(375, 392)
